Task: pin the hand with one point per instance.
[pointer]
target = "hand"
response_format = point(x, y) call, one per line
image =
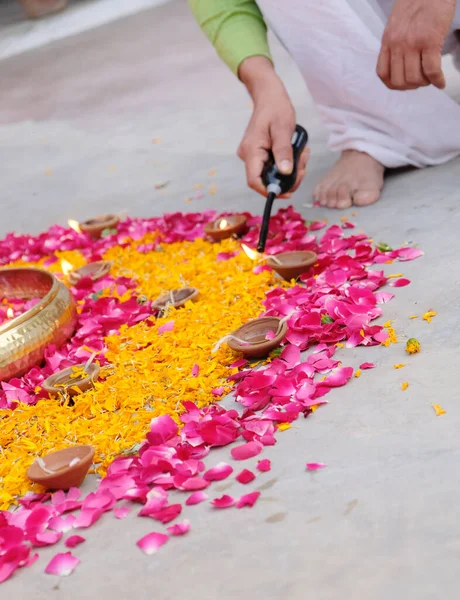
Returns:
point(412, 43)
point(271, 126)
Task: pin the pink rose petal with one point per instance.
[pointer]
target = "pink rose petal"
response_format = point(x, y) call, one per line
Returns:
point(152, 542)
point(246, 451)
point(121, 512)
point(248, 500)
point(74, 540)
point(245, 476)
point(367, 365)
point(195, 370)
point(162, 429)
point(179, 528)
point(264, 465)
point(196, 498)
point(315, 466)
point(399, 282)
point(169, 326)
point(219, 472)
point(224, 501)
point(62, 564)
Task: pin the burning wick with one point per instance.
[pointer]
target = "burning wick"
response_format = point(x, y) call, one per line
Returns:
point(74, 225)
point(66, 267)
point(223, 224)
point(258, 256)
point(9, 312)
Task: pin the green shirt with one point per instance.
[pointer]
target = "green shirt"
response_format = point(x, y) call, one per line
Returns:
point(235, 28)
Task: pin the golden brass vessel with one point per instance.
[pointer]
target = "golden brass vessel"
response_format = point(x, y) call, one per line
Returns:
point(52, 320)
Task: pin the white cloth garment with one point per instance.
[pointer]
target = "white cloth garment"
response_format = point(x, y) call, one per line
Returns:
point(335, 44)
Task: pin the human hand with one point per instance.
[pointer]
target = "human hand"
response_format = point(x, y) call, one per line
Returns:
point(271, 126)
point(412, 43)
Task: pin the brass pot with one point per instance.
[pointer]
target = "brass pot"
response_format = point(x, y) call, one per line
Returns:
point(52, 320)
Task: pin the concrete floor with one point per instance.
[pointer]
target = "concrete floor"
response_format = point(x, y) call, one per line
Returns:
point(77, 119)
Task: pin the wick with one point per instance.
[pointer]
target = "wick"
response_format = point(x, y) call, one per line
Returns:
point(89, 361)
point(229, 337)
point(273, 258)
point(41, 463)
point(74, 461)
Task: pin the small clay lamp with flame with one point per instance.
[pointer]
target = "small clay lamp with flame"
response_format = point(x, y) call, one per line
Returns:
point(95, 270)
point(94, 227)
point(289, 265)
point(225, 227)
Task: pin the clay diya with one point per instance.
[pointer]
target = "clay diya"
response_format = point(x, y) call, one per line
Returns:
point(176, 298)
point(291, 265)
point(251, 338)
point(70, 381)
point(95, 227)
point(95, 270)
point(225, 227)
point(62, 469)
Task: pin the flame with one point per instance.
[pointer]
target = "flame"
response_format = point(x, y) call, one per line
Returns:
point(252, 254)
point(66, 267)
point(74, 225)
point(9, 312)
point(223, 224)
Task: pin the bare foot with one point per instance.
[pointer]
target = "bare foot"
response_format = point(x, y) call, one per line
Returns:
point(36, 9)
point(356, 178)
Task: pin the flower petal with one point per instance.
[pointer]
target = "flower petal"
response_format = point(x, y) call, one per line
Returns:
point(121, 512)
point(367, 365)
point(315, 466)
point(264, 465)
point(179, 528)
point(400, 282)
point(152, 542)
point(74, 540)
point(219, 472)
point(247, 450)
point(224, 501)
point(245, 476)
point(62, 564)
point(196, 498)
point(248, 500)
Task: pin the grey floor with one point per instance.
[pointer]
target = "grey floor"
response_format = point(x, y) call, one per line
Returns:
point(77, 120)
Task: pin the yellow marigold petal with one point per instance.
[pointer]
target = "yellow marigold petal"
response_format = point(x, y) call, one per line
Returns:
point(358, 373)
point(399, 366)
point(438, 410)
point(404, 385)
point(284, 426)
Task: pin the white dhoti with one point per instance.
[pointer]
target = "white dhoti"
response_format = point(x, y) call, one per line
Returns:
point(335, 44)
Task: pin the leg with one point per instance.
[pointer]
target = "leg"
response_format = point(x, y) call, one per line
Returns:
point(36, 9)
point(336, 45)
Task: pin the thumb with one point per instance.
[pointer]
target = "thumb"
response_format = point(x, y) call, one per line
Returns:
point(281, 146)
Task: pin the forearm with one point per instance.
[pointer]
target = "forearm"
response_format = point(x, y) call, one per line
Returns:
point(235, 28)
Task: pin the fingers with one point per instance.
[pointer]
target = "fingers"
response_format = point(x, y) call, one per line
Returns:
point(281, 136)
point(413, 70)
point(432, 68)
point(254, 165)
point(410, 70)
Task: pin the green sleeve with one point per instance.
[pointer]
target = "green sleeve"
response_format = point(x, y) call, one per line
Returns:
point(235, 28)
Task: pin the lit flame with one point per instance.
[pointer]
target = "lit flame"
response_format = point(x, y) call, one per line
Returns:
point(74, 225)
point(9, 312)
point(223, 224)
point(252, 254)
point(66, 267)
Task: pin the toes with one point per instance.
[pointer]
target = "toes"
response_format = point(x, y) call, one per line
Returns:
point(317, 195)
point(331, 197)
point(366, 197)
point(344, 199)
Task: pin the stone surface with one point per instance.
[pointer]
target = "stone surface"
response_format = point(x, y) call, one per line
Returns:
point(77, 122)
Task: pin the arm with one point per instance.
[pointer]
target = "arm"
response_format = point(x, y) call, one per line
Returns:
point(239, 34)
point(235, 28)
